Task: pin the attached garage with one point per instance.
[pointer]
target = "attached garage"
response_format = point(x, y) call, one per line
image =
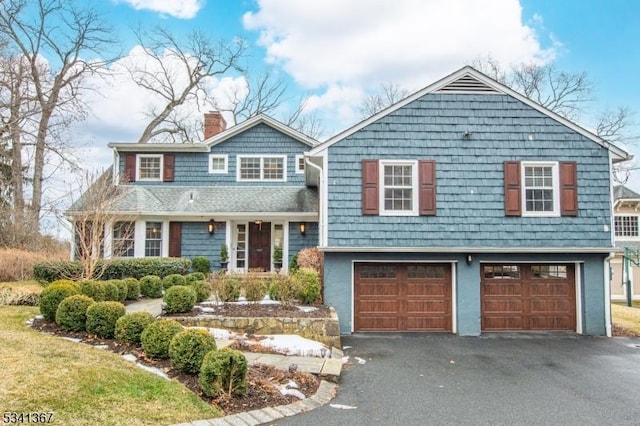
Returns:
point(402, 297)
point(521, 297)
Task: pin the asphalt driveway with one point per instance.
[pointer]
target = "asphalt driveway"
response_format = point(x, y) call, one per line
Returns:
point(417, 379)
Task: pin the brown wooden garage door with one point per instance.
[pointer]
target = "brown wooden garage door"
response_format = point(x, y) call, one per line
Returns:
point(528, 297)
point(402, 297)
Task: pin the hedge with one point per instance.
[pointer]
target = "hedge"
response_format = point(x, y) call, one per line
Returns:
point(45, 272)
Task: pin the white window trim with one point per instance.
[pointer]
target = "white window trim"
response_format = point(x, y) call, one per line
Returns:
point(139, 157)
point(226, 163)
point(414, 177)
point(298, 169)
point(556, 188)
point(624, 237)
point(261, 157)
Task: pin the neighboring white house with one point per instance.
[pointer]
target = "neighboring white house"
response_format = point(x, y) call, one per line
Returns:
point(626, 215)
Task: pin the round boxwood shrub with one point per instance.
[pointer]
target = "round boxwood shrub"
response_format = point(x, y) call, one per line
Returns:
point(133, 288)
point(202, 289)
point(111, 291)
point(194, 276)
point(179, 299)
point(223, 371)
point(93, 289)
point(157, 336)
point(52, 295)
point(151, 286)
point(188, 348)
point(173, 279)
point(130, 326)
point(123, 289)
point(68, 282)
point(201, 264)
point(307, 283)
point(72, 312)
point(102, 317)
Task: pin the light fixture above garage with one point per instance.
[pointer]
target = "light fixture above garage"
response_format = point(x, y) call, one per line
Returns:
point(469, 259)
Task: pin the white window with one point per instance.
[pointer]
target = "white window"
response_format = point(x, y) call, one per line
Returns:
point(540, 192)
point(123, 242)
point(626, 226)
point(300, 164)
point(153, 239)
point(399, 188)
point(149, 167)
point(217, 163)
point(262, 168)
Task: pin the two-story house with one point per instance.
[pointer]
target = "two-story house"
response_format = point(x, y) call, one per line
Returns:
point(466, 208)
point(242, 187)
point(626, 213)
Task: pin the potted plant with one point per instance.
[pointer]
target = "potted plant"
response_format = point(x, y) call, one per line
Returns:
point(224, 256)
point(277, 258)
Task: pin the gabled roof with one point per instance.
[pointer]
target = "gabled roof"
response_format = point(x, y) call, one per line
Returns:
point(206, 145)
point(621, 192)
point(470, 80)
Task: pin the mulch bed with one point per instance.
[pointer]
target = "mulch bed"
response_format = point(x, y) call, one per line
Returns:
point(262, 380)
point(263, 310)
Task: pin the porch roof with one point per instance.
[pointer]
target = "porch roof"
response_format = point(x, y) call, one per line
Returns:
point(186, 200)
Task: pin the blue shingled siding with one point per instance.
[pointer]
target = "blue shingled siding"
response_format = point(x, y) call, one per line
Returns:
point(338, 290)
point(196, 241)
point(298, 241)
point(192, 168)
point(469, 171)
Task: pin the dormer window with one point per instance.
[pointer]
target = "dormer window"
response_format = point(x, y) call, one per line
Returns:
point(149, 167)
point(217, 164)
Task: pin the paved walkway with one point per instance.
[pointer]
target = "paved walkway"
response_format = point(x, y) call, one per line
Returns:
point(327, 368)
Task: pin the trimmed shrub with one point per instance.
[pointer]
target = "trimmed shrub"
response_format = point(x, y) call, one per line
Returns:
point(130, 326)
point(283, 289)
point(75, 284)
point(202, 289)
point(72, 312)
point(111, 291)
point(306, 281)
point(52, 295)
point(93, 289)
point(157, 337)
point(188, 348)
point(133, 288)
point(46, 272)
point(255, 287)
point(102, 317)
point(195, 276)
point(223, 372)
point(173, 279)
point(151, 286)
point(201, 264)
point(179, 299)
point(123, 289)
point(228, 288)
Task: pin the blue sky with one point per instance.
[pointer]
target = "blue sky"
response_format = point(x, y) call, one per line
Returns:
point(337, 51)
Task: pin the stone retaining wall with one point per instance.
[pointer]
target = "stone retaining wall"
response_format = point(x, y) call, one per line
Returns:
point(325, 330)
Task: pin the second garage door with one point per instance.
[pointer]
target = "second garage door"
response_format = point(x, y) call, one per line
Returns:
point(528, 297)
point(402, 297)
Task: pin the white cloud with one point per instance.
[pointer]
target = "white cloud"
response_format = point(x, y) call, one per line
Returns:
point(182, 9)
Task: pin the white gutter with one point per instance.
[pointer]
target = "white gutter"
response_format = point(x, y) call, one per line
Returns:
point(607, 294)
point(321, 220)
point(467, 249)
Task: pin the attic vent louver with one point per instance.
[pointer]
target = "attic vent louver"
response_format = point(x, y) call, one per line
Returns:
point(467, 84)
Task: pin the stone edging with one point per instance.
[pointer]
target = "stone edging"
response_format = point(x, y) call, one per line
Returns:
point(325, 393)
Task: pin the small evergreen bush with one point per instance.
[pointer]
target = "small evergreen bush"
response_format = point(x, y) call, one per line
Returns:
point(111, 291)
point(102, 317)
point(283, 288)
point(228, 288)
point(173, 279)
point(179, 299)
point(188, 348)
point(53, 294)
point(129, 327)
point(123, 289)
point(195, 276)
point(202, 289)
point(306, 281)
point(94, 289)
point(72, 312)
point(201, 264)
point(157, 336)
point(223, 372)
point(151, 286)
point(133, 288)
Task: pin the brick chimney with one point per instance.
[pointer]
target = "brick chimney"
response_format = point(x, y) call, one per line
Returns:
point(214, 123)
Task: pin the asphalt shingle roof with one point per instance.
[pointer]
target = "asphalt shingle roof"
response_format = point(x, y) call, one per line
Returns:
point(622, 192)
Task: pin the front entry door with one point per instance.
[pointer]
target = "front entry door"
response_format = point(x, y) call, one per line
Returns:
point(260, 246)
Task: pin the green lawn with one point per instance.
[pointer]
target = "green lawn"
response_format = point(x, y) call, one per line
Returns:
point(83, 385)
point(626, 317)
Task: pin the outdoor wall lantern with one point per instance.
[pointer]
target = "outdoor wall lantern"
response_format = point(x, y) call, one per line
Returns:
point(303, 228)
point(469, 259)
point(211, 227)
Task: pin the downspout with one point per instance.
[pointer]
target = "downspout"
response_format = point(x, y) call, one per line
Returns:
point(115, 175)
point(607, 293)
point(321, 223)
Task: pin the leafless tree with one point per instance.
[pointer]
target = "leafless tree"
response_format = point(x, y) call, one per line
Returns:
point(177, 73)
point(47, 42)
point(388, 94)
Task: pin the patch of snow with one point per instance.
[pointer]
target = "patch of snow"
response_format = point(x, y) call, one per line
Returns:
point(344, 348)
point(360, 360)
point(72, 339)
point(343, 407)
point(101, 347)
point(291, 344)
point(291, 385)
point(222, 334)
point(39, 317)
point(292, 392)
point(129, 357)
point(307, 308)
point(207, 310)
point(345, 359)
